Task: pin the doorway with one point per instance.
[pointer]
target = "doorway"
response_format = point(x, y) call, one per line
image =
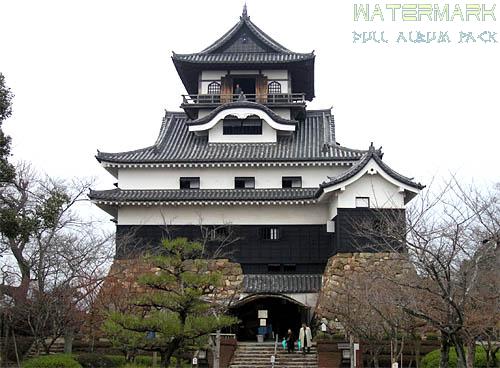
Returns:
point(247, 85)
point(283, 313)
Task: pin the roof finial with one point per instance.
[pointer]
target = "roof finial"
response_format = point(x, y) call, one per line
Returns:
point(244, 14)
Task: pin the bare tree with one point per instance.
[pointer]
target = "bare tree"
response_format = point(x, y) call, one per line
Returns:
point(50, 256)
point(447, 237)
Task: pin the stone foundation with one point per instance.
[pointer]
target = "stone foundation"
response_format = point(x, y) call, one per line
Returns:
point(342, 266)
point(121, 284)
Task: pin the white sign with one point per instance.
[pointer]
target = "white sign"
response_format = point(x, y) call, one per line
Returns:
point(262, 313)
point(323, 327)
point(195, 361)
point(395, 365)
point(273, 359)
point(263, 322)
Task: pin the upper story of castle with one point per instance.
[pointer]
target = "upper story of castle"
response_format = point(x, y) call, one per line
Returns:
point(246, 65)
point(245, 136)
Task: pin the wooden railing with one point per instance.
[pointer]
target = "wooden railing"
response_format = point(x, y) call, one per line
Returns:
point(269, 99)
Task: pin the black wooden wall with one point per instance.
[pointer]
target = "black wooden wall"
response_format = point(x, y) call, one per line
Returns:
point(299, 249)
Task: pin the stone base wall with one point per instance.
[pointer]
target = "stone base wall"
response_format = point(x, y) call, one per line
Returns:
point(342, 266)
point(124, 273)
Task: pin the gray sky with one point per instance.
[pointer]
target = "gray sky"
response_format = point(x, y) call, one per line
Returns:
point(91, 75)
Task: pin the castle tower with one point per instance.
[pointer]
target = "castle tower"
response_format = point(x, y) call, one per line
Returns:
point(247, 169)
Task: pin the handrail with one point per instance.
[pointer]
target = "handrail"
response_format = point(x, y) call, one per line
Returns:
point(225, 335)
point(269, 99)
point(275, 351)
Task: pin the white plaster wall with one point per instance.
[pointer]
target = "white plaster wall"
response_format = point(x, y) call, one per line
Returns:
point(204, 85)
point(223, 177)
point(208, 76)
point(333, 202)
point(382, 194)
point(215, 135)
point(283, 112)
point(219, 215)
point(275, 74)
point(203, 112)
point(213, 74)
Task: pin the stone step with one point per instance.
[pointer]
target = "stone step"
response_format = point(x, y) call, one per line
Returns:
point(291, 357)
point(258, 355)
point(268, 365)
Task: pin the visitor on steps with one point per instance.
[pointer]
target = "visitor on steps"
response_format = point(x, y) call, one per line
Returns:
point(305, 338)
point(290, 341)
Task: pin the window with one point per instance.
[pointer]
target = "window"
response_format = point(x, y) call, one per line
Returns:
point(274, 87)
point(270, 233)
point(249, 126)
point(244, 182)
point(214, 88)
point(289, 267)
point(362, 202)
point(189, 183)
point(291, 182)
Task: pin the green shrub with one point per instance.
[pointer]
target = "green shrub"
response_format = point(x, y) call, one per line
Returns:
point(145, 360)
point(52, 361)
point(118, 360)
point(431, 360)
point(93, 360)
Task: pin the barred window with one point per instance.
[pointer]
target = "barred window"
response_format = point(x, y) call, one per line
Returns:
point(270, 233)
point(214, 88)
point(249, 126)
point(274, 87)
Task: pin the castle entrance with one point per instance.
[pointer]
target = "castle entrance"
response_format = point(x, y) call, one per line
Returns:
point(268, 315)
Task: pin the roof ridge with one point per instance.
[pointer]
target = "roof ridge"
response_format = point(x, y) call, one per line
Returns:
point(376, 154)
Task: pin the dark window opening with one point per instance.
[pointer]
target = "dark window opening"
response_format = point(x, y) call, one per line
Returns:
point(249, 126)
point(274, 88)
point(289, 267)
point(189, 183)
point(291, 182)
point(244, 183)
point(270, 233)
point(362, 202)
point(274, 267)
point(245, 85)
point(214, 88)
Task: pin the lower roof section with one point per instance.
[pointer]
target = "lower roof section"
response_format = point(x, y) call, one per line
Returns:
point(282, 283)
point(125, 197)
point(313, 141)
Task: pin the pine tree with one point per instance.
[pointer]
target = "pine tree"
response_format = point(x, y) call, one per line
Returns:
point(177, 309)
point(7, 172)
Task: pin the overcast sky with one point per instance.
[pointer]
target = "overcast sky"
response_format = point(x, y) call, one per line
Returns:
point(91, 75)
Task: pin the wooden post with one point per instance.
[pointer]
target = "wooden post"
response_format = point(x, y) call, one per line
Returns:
point(217, 350)
point(352, 351)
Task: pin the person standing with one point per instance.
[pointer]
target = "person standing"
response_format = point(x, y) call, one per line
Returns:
point(305, 338)
point(290, 341)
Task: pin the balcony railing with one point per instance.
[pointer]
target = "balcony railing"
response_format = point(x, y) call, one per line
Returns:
point(269, 99)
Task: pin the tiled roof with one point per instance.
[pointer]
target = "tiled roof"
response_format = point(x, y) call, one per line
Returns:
point(356, 168)
point(248, 104)
point(281, 283)
point(243, 58)
point(202, 195)
point(244, 43)
point(312, 141)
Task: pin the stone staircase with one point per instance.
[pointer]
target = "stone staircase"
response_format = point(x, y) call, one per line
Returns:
point(258, 355)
